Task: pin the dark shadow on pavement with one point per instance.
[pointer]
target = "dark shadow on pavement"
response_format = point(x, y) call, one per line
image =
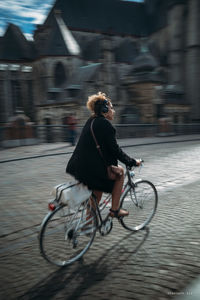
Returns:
point(79, 277)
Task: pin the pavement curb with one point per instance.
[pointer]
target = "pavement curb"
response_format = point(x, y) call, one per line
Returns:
point(139, 144)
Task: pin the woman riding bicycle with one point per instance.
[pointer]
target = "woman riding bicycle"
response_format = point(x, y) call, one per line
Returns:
point(86, 163)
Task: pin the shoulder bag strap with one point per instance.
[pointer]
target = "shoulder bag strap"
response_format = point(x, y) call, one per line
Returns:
point(95, 140)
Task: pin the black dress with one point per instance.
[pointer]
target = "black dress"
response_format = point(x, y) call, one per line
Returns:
point(86, 163)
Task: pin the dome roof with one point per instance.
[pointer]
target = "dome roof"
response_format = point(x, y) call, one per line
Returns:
point(145, 61)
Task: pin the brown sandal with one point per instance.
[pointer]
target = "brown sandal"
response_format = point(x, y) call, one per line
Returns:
point(118, 213)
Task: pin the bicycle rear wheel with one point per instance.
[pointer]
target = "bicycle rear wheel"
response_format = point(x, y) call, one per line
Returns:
point(141, 202)
point(66, 235)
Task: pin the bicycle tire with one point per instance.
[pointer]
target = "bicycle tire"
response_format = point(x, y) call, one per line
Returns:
point(66, 235)
point(141, 201)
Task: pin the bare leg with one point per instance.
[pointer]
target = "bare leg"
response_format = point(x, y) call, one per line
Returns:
point(117, 189)
point(116, 193)
point(98, 195)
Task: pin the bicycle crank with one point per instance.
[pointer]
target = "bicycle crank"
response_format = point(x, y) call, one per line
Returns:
point(106, 226)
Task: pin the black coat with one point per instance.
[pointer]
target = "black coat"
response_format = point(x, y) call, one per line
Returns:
point(86, 163)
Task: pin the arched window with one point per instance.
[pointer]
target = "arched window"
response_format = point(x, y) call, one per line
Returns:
point(59, 74)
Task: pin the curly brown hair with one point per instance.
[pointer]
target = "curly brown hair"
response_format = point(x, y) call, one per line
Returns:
point(94, 98)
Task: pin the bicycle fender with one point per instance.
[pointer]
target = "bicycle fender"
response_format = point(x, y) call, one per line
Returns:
point(45, 218)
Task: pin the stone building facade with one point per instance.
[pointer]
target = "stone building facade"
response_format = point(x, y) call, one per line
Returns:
point(145, 56)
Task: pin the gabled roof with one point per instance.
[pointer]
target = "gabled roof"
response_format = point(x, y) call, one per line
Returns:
point(14, 45)
point(104, 16)
point(60, 40)
point(68, 38)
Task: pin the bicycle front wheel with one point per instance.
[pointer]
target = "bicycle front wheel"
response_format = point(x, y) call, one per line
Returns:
point(141, 202)
point(66, 235)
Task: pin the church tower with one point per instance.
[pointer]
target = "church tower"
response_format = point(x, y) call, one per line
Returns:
point(193, 58)
point(176, 43)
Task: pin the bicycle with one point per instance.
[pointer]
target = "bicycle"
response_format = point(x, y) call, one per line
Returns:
point(66, 234)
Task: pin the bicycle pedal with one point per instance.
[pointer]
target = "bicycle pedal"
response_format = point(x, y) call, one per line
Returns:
point(70, 234)
point(75, 243)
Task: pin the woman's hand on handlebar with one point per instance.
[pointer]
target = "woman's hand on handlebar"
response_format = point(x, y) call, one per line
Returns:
point(135, 163)
point(139, 162)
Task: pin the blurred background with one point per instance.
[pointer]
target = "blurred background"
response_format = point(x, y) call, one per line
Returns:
point(53, 54)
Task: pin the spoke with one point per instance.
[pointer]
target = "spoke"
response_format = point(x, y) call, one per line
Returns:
point(62, 239)
point(141, 202)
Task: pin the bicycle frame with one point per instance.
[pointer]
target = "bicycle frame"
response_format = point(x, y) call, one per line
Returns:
point(81, 224)
point(98, 208)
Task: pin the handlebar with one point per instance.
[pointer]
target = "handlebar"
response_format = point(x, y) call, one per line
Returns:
point(141, 163)
point(141, 160)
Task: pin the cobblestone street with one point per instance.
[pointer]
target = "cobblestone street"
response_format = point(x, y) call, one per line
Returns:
point(157, 263)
